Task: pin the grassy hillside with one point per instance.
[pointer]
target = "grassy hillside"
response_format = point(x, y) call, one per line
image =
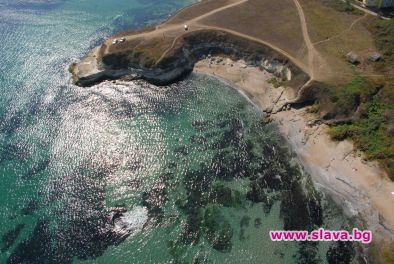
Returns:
point(342, 6)
point(373, 129)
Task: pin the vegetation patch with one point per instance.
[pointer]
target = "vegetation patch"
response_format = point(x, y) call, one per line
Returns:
point(388, 257)
point(370, 133)
point(373, 129)
point(349, 97)
point(276, 82)
point(315, 108)
point(384, 33)
point(342, 6)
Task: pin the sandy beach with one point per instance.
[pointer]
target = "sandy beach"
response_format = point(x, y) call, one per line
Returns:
point(360, 187)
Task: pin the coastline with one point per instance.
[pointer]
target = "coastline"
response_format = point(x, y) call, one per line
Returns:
point(359, 187)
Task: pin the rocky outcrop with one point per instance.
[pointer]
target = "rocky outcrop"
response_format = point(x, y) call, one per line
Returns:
point(180, 60)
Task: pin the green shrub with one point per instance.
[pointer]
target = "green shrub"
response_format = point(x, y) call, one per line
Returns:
point(342, 6)
point(349, 97)
point(384, 33)
point(341, 132)
point(276, 82)
point(369, 134)
point(314, 109)
point(388, 257)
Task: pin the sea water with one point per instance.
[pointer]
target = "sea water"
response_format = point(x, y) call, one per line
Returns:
point(128, 172)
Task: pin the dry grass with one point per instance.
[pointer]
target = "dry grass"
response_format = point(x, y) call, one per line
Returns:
point(324, 21)
point(134, 31)
point(147, 53)
point(335, 36)
point(197, 10)
point(276, 22)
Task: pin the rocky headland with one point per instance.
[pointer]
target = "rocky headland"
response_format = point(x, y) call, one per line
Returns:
point(129, 63)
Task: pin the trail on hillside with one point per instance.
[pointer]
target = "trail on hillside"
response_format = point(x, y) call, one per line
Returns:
point(268, 44)
point(312, 53)
point(218, 10)
point(159, 31)
point(343, 32)
point(195, 25)
point(315, 61)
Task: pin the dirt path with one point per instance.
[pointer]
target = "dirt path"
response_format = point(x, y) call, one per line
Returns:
point(343, 32)
point(316, 63)
point(178, 30)
point(367, 11)
point(217, 11)
point(236, 33)
point(165, 28)
point(194, 25)
point(312, 53)
point(285, 53)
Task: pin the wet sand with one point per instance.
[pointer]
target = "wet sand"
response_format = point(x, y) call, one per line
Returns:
point(359, 187)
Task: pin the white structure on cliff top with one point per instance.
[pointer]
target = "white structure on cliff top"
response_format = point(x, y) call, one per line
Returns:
point(379, 3)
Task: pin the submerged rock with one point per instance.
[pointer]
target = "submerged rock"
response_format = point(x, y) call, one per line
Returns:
point(9, 238)
point(154, 199)
point(257, 222)
point(340, 252)
point(225, 196)
point(295, 210)
point(245, 221)
point(30, 207)
point(36, 248)
point(242, 236)
point(308, 252)
point(217, 230)
point(183, 150)
point(41, 166)
point(192, 230)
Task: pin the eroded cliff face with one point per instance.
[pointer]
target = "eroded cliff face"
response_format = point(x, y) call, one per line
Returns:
point(179, 60)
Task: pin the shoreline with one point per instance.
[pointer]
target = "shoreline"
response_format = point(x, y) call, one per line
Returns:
point(360, 188)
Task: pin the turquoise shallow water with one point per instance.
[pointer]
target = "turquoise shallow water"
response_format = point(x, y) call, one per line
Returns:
point(130, 172)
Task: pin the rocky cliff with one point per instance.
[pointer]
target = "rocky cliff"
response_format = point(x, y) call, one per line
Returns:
point(179, 60)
